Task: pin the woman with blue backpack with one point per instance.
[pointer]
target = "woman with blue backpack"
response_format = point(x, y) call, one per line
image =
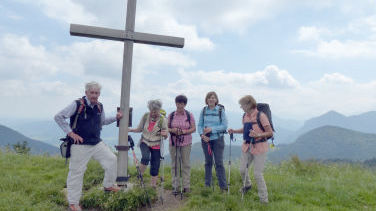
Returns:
point(256, 130)
point(211, 127)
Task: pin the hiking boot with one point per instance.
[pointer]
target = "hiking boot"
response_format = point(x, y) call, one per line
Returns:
point(264, 202)
point(74, 207)
point(186, 190)
point(175, 192)
point(113, 189)
point(224, 190)
point(153, 181)
point(245, 189)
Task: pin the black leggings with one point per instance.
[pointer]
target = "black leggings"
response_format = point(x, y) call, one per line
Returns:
point(154, 154)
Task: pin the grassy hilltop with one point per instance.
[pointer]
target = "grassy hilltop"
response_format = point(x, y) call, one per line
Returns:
point(36, 182)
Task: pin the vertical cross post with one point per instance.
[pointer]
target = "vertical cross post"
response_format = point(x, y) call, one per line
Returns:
point(122, 167)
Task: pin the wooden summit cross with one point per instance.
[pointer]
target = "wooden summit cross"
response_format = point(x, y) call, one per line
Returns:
point(128, 36)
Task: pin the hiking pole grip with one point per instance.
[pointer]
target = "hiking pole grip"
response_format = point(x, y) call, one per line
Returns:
point(117, 120)
point(129, 118)
point(130, 142)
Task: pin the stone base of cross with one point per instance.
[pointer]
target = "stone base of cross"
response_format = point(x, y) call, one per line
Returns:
point(128, 36)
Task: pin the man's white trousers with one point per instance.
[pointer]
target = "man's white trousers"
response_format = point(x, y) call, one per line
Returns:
point(80, 156)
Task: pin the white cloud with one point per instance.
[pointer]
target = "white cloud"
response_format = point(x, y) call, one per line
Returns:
point(335, 78)
point(270, 77)
point(226, 16)
point(336, 49)
point(295, 100)
point(66, 11)
point(150, 19)
point(35, 74)
point(21, 59)
point(164, 24)
point(309, 33)
point(151, 56)
point(357, 39)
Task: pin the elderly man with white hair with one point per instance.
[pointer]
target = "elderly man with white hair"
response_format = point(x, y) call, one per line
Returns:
point(86, 119)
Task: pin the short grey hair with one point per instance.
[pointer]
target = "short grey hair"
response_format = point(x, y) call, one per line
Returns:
point(92, 85)
point(154, 105)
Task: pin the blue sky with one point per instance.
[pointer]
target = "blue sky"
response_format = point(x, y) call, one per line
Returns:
point(304, 58)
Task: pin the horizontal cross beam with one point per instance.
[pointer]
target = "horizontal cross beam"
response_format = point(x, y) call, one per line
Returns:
point(121, 35)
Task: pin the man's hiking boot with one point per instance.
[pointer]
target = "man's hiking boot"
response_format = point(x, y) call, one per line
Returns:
point(74, 207)
point(245, 189)
point(114, 189)
point(264, 202)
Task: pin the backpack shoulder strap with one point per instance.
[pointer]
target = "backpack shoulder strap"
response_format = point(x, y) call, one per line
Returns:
point(80, 106)
point(144, 118)
point(203, 115)
point(259, 121)
point(172, 115)
point(188, 117)
point(220, 114)
point(160, 121)
point(100, 107)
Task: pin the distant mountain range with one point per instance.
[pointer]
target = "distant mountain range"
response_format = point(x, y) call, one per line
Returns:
point(364, 122)
point(48, 132)
point(329, 142)
point(323, 143)
point(11, 137)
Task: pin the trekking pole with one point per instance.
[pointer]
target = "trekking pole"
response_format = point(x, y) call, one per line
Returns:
point(245, 178)
point(176, 167)
point(229, 164)
point(181, 176)
point(162, 175)
point(139, 176)
point(246, 170)
point(210, 151)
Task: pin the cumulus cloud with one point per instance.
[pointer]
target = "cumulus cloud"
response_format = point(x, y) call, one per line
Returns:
point(336, 78)
point(336, 49)
point(67, 11)
point(270, 77)
point(288, 98)
point(357, 39)
point(35, 73)
point(309, 33)
point(21, 59)
point(155, 17)
point(164, 24)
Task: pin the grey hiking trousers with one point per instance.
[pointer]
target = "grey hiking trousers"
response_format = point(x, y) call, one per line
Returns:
point(258, 169)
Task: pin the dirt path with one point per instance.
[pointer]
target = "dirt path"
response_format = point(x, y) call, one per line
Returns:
point(170, 203)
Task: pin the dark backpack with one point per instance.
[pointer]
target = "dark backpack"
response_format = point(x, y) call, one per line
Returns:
point(264, 108)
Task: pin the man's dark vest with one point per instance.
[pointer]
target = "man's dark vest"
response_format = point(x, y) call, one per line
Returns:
point(88, 123)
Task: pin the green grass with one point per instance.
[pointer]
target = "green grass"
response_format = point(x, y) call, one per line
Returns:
point(36, 183)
